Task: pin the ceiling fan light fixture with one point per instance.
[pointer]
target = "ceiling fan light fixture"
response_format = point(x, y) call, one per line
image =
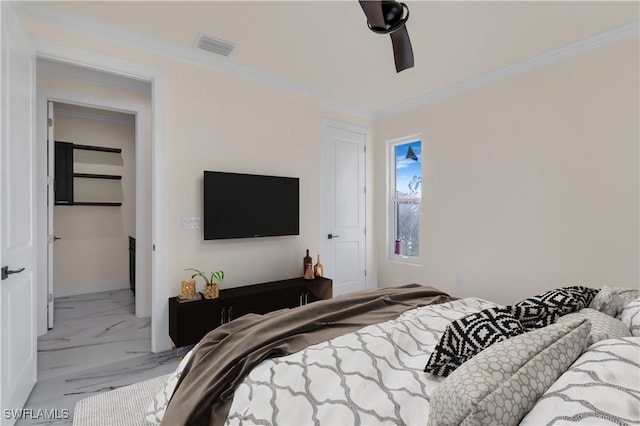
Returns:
point(214, 45)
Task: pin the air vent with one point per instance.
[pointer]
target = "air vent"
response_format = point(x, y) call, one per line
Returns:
point(215, 45)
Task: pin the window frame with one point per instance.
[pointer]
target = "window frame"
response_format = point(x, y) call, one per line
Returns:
point(392, 200)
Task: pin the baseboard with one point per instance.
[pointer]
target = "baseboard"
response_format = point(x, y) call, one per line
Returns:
point(75, 289)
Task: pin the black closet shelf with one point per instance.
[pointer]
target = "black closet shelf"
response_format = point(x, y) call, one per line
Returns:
point(89, 203)
point(97, 148)
point(64, 175)
point(96, 176)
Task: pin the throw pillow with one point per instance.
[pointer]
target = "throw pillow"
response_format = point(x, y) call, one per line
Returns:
point(546, 308)
point(630, 317)
point(602, 325)
point(158, 406)
point(611, 300)
point(502, 383)
point(467, 336)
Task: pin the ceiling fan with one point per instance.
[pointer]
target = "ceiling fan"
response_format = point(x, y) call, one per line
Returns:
point(390, 17)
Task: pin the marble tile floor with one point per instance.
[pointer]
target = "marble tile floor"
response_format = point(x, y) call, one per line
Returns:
point(97, 345)
point(91, 330)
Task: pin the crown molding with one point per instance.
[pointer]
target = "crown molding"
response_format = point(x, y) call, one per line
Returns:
point(39, 11)
point(603, 39)
point(344, 109)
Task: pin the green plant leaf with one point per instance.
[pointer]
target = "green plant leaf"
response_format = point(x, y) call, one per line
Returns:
point(218, 275)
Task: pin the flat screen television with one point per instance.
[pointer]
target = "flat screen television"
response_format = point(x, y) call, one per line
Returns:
point(242, 205)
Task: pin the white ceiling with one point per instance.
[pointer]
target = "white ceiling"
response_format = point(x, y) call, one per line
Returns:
point(327, 46)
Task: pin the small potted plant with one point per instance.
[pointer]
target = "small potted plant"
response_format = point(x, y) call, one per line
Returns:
point(211, 283)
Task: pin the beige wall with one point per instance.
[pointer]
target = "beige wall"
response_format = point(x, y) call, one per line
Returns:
point(528, 184)
point(94, 247)
point(217, 121)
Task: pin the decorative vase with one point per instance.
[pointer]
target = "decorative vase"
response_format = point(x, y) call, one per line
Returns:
point(211, 291)
point(306, 261)
point(318, 269)
point(188, 288)
point(308, 273)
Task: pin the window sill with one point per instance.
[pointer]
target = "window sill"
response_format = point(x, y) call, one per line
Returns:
point(408, 260)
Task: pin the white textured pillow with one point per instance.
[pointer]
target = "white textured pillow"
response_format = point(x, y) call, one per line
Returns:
point(602, 325)
point(630, 317)
point(611, 300)
point(503, 382)
point(157, 407)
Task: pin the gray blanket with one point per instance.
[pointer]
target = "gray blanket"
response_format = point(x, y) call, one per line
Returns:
point(225, 355)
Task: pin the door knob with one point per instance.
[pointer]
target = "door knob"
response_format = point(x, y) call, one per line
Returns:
point(331, 236)
point(6, 272)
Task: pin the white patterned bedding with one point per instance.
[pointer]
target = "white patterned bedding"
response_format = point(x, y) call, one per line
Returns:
point(602, 387)
point(372, 376)
point(376, 375)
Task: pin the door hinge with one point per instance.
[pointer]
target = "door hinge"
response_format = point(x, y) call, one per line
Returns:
point(49, 180)
point(50, 297)
point(49, 122)
point(365, 272)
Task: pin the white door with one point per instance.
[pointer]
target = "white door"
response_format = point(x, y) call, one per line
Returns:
point(18, 338)
point(51, 238)
point(344, 207)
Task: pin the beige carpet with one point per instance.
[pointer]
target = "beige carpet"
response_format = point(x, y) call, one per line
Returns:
point(124, 406)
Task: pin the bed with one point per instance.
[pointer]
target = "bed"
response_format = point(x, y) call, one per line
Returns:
point(415, 355)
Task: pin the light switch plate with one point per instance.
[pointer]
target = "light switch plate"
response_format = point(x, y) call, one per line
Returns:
point(190, 223)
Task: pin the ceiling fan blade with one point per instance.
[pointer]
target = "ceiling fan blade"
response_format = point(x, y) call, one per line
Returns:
point(402, 50)
point(373, 11)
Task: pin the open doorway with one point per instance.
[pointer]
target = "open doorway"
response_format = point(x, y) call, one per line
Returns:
point(94, 216)
point(99, 123)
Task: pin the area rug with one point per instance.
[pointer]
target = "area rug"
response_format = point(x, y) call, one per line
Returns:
point(124, 406)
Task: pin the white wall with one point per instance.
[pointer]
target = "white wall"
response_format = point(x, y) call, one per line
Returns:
point(528, 184)
point(93, 252)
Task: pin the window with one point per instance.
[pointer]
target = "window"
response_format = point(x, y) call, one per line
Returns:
point(406, 191)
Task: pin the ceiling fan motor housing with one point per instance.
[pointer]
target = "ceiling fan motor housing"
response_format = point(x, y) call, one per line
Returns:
point(394, 16)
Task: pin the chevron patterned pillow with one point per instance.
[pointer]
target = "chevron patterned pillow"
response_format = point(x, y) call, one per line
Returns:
point(544, 309)
point(467, 336)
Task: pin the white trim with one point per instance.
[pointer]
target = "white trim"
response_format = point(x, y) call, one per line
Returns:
point(609, 37)
point(355, 112)
point(75, 289)
point(160, 340)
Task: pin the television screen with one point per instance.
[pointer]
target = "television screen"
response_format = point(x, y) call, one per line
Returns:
point(242, 205)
